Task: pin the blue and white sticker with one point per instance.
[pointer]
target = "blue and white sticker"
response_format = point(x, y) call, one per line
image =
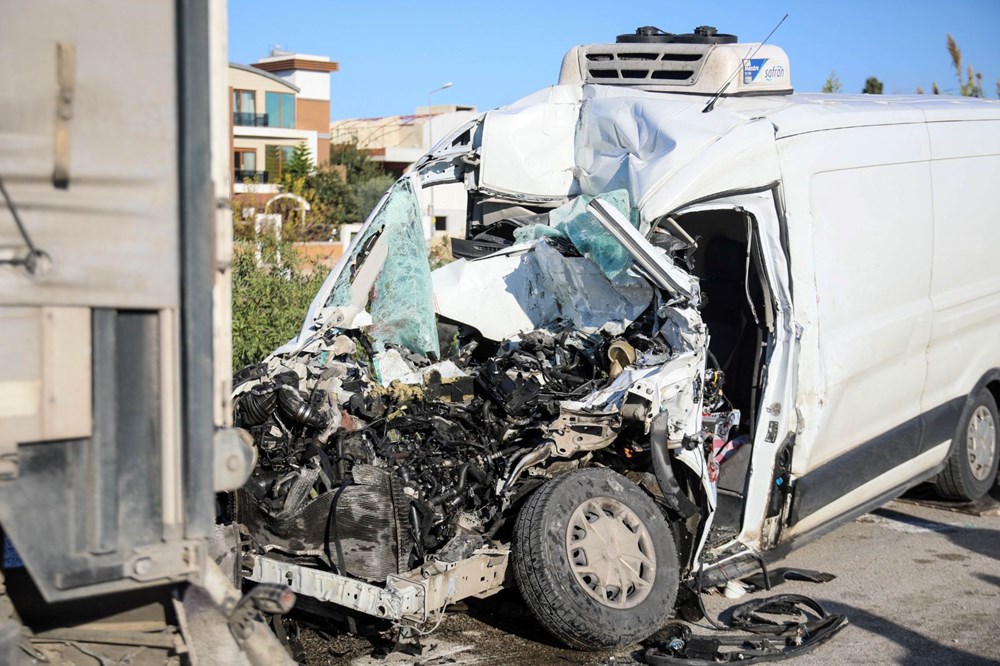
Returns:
point(751, 68)
point(759, 67)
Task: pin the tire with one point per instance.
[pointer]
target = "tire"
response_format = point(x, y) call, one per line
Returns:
point(595, 506)
point(972, 464)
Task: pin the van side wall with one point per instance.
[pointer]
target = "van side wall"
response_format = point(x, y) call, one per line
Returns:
point(890, 232)
point(965, 284)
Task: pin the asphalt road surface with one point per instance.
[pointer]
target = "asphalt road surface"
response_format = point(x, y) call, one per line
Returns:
point(919, 585)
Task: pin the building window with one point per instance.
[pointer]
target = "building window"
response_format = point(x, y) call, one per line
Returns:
point(276, 158)
point(440, 223)
point(280, 109)
point(245, 166)
point(245, 109)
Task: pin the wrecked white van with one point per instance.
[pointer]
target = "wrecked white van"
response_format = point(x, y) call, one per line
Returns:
point(697, 320)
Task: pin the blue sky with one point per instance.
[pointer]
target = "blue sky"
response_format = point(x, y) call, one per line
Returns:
point(392, 53)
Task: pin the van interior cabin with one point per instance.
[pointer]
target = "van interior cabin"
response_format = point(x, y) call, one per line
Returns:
point(736, 309)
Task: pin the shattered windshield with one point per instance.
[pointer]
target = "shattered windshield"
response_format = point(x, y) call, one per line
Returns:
point(573, 221)
point(400, 299)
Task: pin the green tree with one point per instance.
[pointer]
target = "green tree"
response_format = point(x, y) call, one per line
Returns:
point(366, 194)
point(872, 86)
point(332, 201)
point(358, 166)
point(832, 84)
point(271, 294)
point(301, 163)
point(972, 85)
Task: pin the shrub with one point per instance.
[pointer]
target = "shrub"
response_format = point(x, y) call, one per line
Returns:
point(271, 295)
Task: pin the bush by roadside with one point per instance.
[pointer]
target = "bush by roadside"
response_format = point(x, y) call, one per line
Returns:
point(271, 294)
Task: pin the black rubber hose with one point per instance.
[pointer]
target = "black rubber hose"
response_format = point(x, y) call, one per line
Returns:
point(463, 473)
point(415, 532)
point(431, 517)
point(257, 405)
point(294, 407)
point(672, 493)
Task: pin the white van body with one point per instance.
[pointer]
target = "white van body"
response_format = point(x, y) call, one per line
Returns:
point(838, 273)
point(892, 248)
point(878, 240)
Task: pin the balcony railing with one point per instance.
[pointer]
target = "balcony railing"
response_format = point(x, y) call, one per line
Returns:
point(240, 176)
point(250, 119)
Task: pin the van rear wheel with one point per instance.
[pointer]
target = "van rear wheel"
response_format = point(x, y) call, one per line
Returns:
point(595, 560)
point(972, 465)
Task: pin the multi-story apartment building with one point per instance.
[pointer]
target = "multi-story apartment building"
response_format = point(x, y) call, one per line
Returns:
point(277, 103)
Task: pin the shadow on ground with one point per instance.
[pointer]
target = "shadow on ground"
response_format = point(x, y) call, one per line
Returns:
point(920, 650)
point(980, 541)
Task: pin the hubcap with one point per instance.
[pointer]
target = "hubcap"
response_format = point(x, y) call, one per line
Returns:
point(611, 553)
point(982, 442)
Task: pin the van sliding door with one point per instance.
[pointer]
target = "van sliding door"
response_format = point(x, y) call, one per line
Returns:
point(869, 216)
point(966, 283)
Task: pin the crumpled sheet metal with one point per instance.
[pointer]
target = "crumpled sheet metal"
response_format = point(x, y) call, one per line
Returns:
point(666, 385)
point(531, 145)
point(534, 288)
point(647, 143)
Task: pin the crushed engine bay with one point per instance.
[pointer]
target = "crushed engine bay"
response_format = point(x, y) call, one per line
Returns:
point(399, 433)
point(372, 456)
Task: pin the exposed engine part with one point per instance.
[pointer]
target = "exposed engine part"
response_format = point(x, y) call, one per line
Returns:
point(298, 410)
point(621, 354)
point(576, 431)
point(258, 405)
point(442, 449)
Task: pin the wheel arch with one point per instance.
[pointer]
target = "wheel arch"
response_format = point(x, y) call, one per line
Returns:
point(952, 481)
point(991, 382)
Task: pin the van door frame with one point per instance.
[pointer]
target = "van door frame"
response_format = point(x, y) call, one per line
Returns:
point(767, 499)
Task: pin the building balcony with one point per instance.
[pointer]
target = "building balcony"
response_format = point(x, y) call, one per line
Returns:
point(240, 176)
point(250, 119)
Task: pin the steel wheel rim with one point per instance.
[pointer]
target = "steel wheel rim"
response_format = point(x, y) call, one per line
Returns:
point(610, 553)
point(982, 442)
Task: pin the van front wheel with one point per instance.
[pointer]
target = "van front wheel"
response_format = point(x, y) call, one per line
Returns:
point(975, 453)
point(595, 560)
